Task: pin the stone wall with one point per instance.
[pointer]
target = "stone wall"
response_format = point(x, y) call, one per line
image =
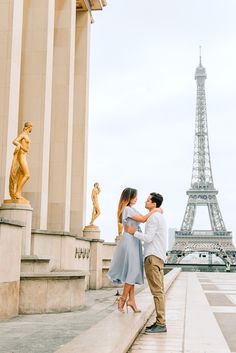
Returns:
point(10, 258)
point(70, 252)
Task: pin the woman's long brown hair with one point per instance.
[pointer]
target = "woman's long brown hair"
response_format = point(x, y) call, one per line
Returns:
point(126, 196)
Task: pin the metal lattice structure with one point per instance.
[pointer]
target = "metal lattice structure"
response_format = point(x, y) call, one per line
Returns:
point(202, 193)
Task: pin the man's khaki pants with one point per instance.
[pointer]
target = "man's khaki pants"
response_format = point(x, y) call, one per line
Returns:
point(154, 271)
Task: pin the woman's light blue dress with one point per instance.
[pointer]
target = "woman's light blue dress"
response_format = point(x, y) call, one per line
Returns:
point(127, 262)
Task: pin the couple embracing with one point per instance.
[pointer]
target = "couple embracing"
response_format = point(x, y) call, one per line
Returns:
point(127, 263)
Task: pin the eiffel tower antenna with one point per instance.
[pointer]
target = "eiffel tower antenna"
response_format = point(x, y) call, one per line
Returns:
point(202, 193)
point(200, 55)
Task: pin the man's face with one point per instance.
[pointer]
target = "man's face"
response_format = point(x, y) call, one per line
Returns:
point(149, 205)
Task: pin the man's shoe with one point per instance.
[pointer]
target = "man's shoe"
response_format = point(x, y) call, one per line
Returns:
point(148, 327)
point(156, 329)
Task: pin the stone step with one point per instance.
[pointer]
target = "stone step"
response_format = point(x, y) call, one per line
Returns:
point(35, 264)
point(51, 292)
point(117, 331)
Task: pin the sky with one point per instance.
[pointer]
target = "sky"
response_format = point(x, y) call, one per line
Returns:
point(142, 104)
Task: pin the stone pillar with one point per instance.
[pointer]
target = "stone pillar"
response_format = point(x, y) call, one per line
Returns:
point(96, 253)
point(62, 116)
point(11, 19)
point(22, 213)
point(10, 261)
point(47, 117)
point(80, 123)
point(35, 99)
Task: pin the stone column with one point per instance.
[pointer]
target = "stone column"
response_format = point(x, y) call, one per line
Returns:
point(95, 279)
point(23, 214)
point(35, 99)
point(11, 19)
point(80, 123)
point(47, 117)
point(62, 116)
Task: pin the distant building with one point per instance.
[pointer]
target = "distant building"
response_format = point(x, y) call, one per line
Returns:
point(171, 238)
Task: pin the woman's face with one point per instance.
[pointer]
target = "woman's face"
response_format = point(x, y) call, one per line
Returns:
point(133, 201)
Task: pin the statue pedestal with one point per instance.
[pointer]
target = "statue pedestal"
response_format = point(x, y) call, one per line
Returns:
point(96, 254)
point(23, 213)
point(91, 232)
point(16, 201)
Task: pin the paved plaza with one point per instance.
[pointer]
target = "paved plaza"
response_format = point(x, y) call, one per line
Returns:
point(48, 332)
point(201, 318)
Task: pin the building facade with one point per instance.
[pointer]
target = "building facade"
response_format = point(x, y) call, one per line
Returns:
point(44, 71)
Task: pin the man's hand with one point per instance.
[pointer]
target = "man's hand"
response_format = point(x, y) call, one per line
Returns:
point(129, 229)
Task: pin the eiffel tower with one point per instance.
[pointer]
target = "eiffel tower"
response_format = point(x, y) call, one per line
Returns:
point(202, 192)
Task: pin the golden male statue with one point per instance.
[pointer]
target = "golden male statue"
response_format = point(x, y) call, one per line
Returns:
point(96, 209)
point(19, 172)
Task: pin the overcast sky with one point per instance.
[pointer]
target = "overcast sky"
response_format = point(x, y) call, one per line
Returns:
point(143, 102)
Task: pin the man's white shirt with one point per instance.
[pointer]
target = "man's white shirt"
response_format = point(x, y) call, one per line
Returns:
point(154, 236)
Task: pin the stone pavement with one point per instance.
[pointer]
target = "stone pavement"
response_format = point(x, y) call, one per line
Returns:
point(201, 316)
point(97, 328)
point(47, 332)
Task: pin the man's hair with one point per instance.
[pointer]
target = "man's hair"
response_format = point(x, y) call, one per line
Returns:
point(157, 198)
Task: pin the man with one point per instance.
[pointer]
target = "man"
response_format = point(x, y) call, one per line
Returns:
point(155, 239)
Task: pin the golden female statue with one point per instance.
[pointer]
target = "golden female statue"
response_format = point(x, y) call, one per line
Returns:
point(96, 209)
point(19, 172)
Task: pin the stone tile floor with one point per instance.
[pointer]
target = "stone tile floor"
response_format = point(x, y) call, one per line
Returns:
point(45, 333)
point(201, 316)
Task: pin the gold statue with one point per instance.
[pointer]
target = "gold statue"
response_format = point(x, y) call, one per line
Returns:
point(96, 209)
point(19, 172)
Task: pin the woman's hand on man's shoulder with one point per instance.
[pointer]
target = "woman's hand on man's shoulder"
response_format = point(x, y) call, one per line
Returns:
point(159, 209)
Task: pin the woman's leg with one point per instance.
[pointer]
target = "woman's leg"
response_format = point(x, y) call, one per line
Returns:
point(124, 296)
point(131, 295)
point(126, 290)
point(132, 298)
point(131, 301)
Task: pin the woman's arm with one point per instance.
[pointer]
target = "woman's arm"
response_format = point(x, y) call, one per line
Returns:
point(143, 219)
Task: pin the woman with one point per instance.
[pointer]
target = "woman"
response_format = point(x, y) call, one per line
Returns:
point(127, 263)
